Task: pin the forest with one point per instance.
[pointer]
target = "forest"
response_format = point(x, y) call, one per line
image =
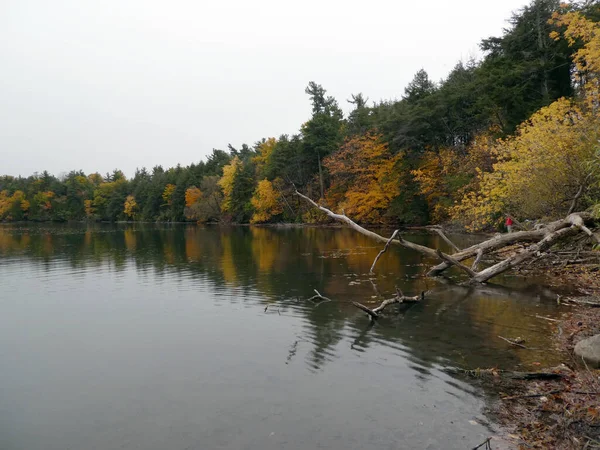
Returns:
point(516, 132)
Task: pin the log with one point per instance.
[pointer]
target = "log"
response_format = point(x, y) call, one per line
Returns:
point(504, 240)
point(532, 251)
point(456, 263)
point(543, 238)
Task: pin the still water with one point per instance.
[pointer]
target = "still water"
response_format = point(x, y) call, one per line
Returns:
point(189, 337)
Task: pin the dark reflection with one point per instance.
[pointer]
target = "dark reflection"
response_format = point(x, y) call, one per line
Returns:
point(281, 266)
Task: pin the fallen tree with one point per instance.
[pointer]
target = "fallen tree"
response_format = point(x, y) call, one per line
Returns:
point(541, 239)
point(400, 298)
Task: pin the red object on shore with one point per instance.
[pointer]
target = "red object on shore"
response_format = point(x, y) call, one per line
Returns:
point(509, 221)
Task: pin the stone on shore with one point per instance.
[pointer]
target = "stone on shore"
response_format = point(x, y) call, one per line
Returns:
point(589, 350)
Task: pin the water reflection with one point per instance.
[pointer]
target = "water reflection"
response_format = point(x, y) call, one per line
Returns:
point(281, 266)
point(144, 336)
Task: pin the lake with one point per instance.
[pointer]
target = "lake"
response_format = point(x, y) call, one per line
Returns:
point(189, 337)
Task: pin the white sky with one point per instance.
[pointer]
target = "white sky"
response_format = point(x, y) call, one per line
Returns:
point(97, 85)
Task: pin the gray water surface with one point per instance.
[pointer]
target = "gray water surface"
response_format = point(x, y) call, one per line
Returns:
point(189, 337)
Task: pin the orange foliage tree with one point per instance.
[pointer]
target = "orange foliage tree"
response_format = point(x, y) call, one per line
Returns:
point(363, 178)
point(193, 195)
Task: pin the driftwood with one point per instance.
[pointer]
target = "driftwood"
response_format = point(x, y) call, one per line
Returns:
point(542, 238)
point(400, 298)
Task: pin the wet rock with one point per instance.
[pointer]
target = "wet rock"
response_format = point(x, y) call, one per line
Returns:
point(589, 350)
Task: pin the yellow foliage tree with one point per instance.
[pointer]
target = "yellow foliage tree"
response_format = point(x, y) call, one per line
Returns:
point(363, 181)
point(13, 207)
point(130, 207)
point(266, 202)
point(539, 170)
point(89, 209)
point(5, 203)
point(226, 182)
point(587, 57)
point(167, 194)
point(554, 156)
point(264, 154)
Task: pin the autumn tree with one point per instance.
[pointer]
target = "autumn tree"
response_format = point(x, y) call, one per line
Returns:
point(266, 202)
point(226, 182)
point(204, 204)
point(13, 207)
point(444, 176)
point(167, 194)
point(192, 196)
point(41, 205)
point(263, 158)
point(363, 180)
point(539, 171)
point(130, 207)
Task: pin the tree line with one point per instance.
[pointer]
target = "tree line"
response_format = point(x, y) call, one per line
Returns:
point(515, 133)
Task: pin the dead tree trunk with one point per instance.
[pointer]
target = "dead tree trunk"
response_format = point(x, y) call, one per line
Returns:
point(541, 238)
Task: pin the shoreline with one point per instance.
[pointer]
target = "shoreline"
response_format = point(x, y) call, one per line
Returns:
point(562, 413)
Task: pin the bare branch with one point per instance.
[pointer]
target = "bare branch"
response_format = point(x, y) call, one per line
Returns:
point(580, 191)
point(387, 244)
point(374, 313)
point(319, 296)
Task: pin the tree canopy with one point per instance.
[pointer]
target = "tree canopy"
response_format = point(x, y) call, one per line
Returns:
point(516, 131)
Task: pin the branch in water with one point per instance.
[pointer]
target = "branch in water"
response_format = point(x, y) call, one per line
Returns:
point(400, 298)
point(387, 244)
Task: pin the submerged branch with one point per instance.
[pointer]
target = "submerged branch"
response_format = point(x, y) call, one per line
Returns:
point(400, 298)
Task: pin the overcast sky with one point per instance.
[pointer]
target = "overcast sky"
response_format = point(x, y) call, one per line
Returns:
point(98, 85)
